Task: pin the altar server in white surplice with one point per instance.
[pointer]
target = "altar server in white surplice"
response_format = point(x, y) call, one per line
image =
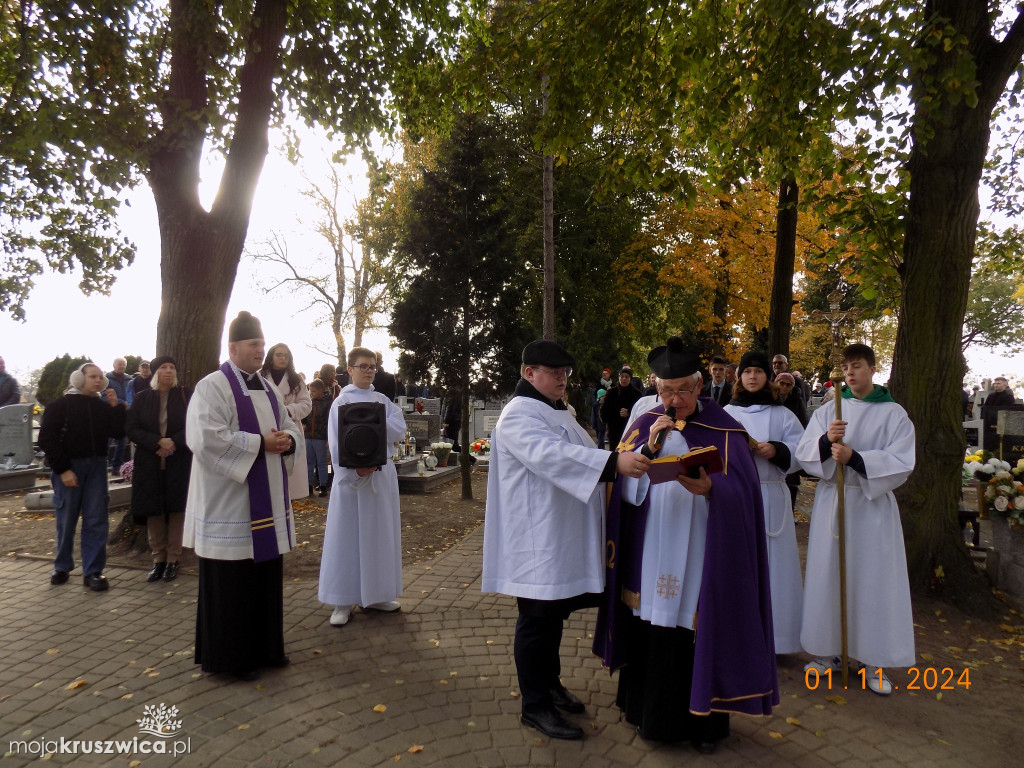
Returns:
point(544, 527)
point(238, 517)
point(756, 406)
point(362, 560)
point(878, 451)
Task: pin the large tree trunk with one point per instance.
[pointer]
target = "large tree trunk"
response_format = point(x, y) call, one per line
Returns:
point(950, 144)
point(200, 251)
point(781, 313)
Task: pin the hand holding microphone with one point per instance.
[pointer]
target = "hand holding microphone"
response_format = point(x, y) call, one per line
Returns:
point(661, 429)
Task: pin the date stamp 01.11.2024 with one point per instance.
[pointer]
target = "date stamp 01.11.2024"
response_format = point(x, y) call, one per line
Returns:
point(918, 679)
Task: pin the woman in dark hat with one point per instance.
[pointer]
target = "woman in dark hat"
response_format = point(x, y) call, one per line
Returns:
point(163, 463)
point(755, 404)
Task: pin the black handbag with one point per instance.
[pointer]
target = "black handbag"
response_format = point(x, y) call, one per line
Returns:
point(362, 435)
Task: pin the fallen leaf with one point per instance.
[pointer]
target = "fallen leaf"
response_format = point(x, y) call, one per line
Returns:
point(820, 734)
point(414, 749)
point(927, 656)
point(53, 650)
point(244, 727)
point(380, 708)
point(74, 685)
point(127, 696)
point(938, 696)
point(134, 764)
point(836, 699)
point(443, 682)
point(775, 734)
point(792, 721)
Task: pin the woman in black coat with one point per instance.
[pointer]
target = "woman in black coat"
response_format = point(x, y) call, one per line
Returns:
point(163, 462)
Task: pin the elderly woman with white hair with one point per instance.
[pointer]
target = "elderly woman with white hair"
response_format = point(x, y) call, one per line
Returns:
point(74, 436)
point(163, 463)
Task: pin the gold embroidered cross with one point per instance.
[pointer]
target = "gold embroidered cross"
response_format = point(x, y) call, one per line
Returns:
point(668, 586)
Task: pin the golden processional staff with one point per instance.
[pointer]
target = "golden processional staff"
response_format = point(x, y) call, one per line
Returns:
point(835, 318)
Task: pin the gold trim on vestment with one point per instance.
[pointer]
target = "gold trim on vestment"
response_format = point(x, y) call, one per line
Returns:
point(261, 527)
point(631, 598)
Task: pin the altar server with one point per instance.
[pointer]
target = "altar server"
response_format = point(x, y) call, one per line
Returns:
point(544, 527)
point(238, 517)
point(777, 433)
point(362, 560)
point(878, 450)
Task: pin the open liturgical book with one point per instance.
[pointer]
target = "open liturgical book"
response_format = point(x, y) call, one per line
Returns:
point(667, 468)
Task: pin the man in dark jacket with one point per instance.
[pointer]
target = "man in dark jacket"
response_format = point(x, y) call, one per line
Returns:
point(10, 394)
point(618, 402)
point(718, 388)
point(383, 381)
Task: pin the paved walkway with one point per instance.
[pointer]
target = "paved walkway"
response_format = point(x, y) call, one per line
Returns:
point(443, 670)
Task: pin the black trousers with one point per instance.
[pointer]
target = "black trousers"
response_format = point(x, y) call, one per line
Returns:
point(240, 615)
point(538, 637)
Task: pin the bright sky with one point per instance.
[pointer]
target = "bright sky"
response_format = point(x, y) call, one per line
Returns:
point(61, 319)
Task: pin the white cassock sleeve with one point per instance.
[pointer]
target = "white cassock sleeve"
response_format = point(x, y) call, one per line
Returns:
point(573, 468)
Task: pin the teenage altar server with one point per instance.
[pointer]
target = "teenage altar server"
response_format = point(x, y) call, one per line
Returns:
point(687, 617)
point(756, 406)
point(544, 527)
point(238, 517)
point(362, 560)
point(878, 451)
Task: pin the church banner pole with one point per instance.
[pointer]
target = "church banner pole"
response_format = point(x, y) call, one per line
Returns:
point(835, 319)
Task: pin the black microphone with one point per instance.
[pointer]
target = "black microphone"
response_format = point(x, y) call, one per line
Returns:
point(663, 435)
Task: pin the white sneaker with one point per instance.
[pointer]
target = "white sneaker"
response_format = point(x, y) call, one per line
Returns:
point(341, 615)
point(823, 664)
point(390, 605)
point(882, 687)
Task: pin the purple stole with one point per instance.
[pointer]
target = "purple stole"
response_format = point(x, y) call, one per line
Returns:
point(734, 666)
point(261, 508)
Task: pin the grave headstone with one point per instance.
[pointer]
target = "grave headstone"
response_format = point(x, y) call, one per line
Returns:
point(1010, 428)
point(16, 434)
point(431, 405)
point(425, 427)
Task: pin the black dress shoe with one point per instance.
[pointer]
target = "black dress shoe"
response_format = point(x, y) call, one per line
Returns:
point(58, 577)
point(247, 676)
point(284, 661)
point(157, 572)
point(552, 724)
point(565, 701)
point(97, 582)
point(171, 572)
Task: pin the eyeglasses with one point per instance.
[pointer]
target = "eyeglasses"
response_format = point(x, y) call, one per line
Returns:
point(564, 372)
point(668, 394)
point(365, 367)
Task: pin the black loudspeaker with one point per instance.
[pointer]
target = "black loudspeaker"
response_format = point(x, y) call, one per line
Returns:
point(362, 435)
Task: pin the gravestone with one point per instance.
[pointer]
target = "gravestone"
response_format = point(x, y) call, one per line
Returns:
point(431, 405)
point(425, 427)
point(17, 459)
point(990, 436)
point(483, 423)
point(16, 433)
point(1010, 428)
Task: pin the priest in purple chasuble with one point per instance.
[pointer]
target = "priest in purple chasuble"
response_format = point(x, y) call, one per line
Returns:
point(687, 618)
point(238, 517)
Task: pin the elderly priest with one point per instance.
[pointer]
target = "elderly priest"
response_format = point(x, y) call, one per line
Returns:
point(238, 517)
point(688, 615)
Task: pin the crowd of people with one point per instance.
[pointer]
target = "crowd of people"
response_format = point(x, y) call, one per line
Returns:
point(694, 569)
